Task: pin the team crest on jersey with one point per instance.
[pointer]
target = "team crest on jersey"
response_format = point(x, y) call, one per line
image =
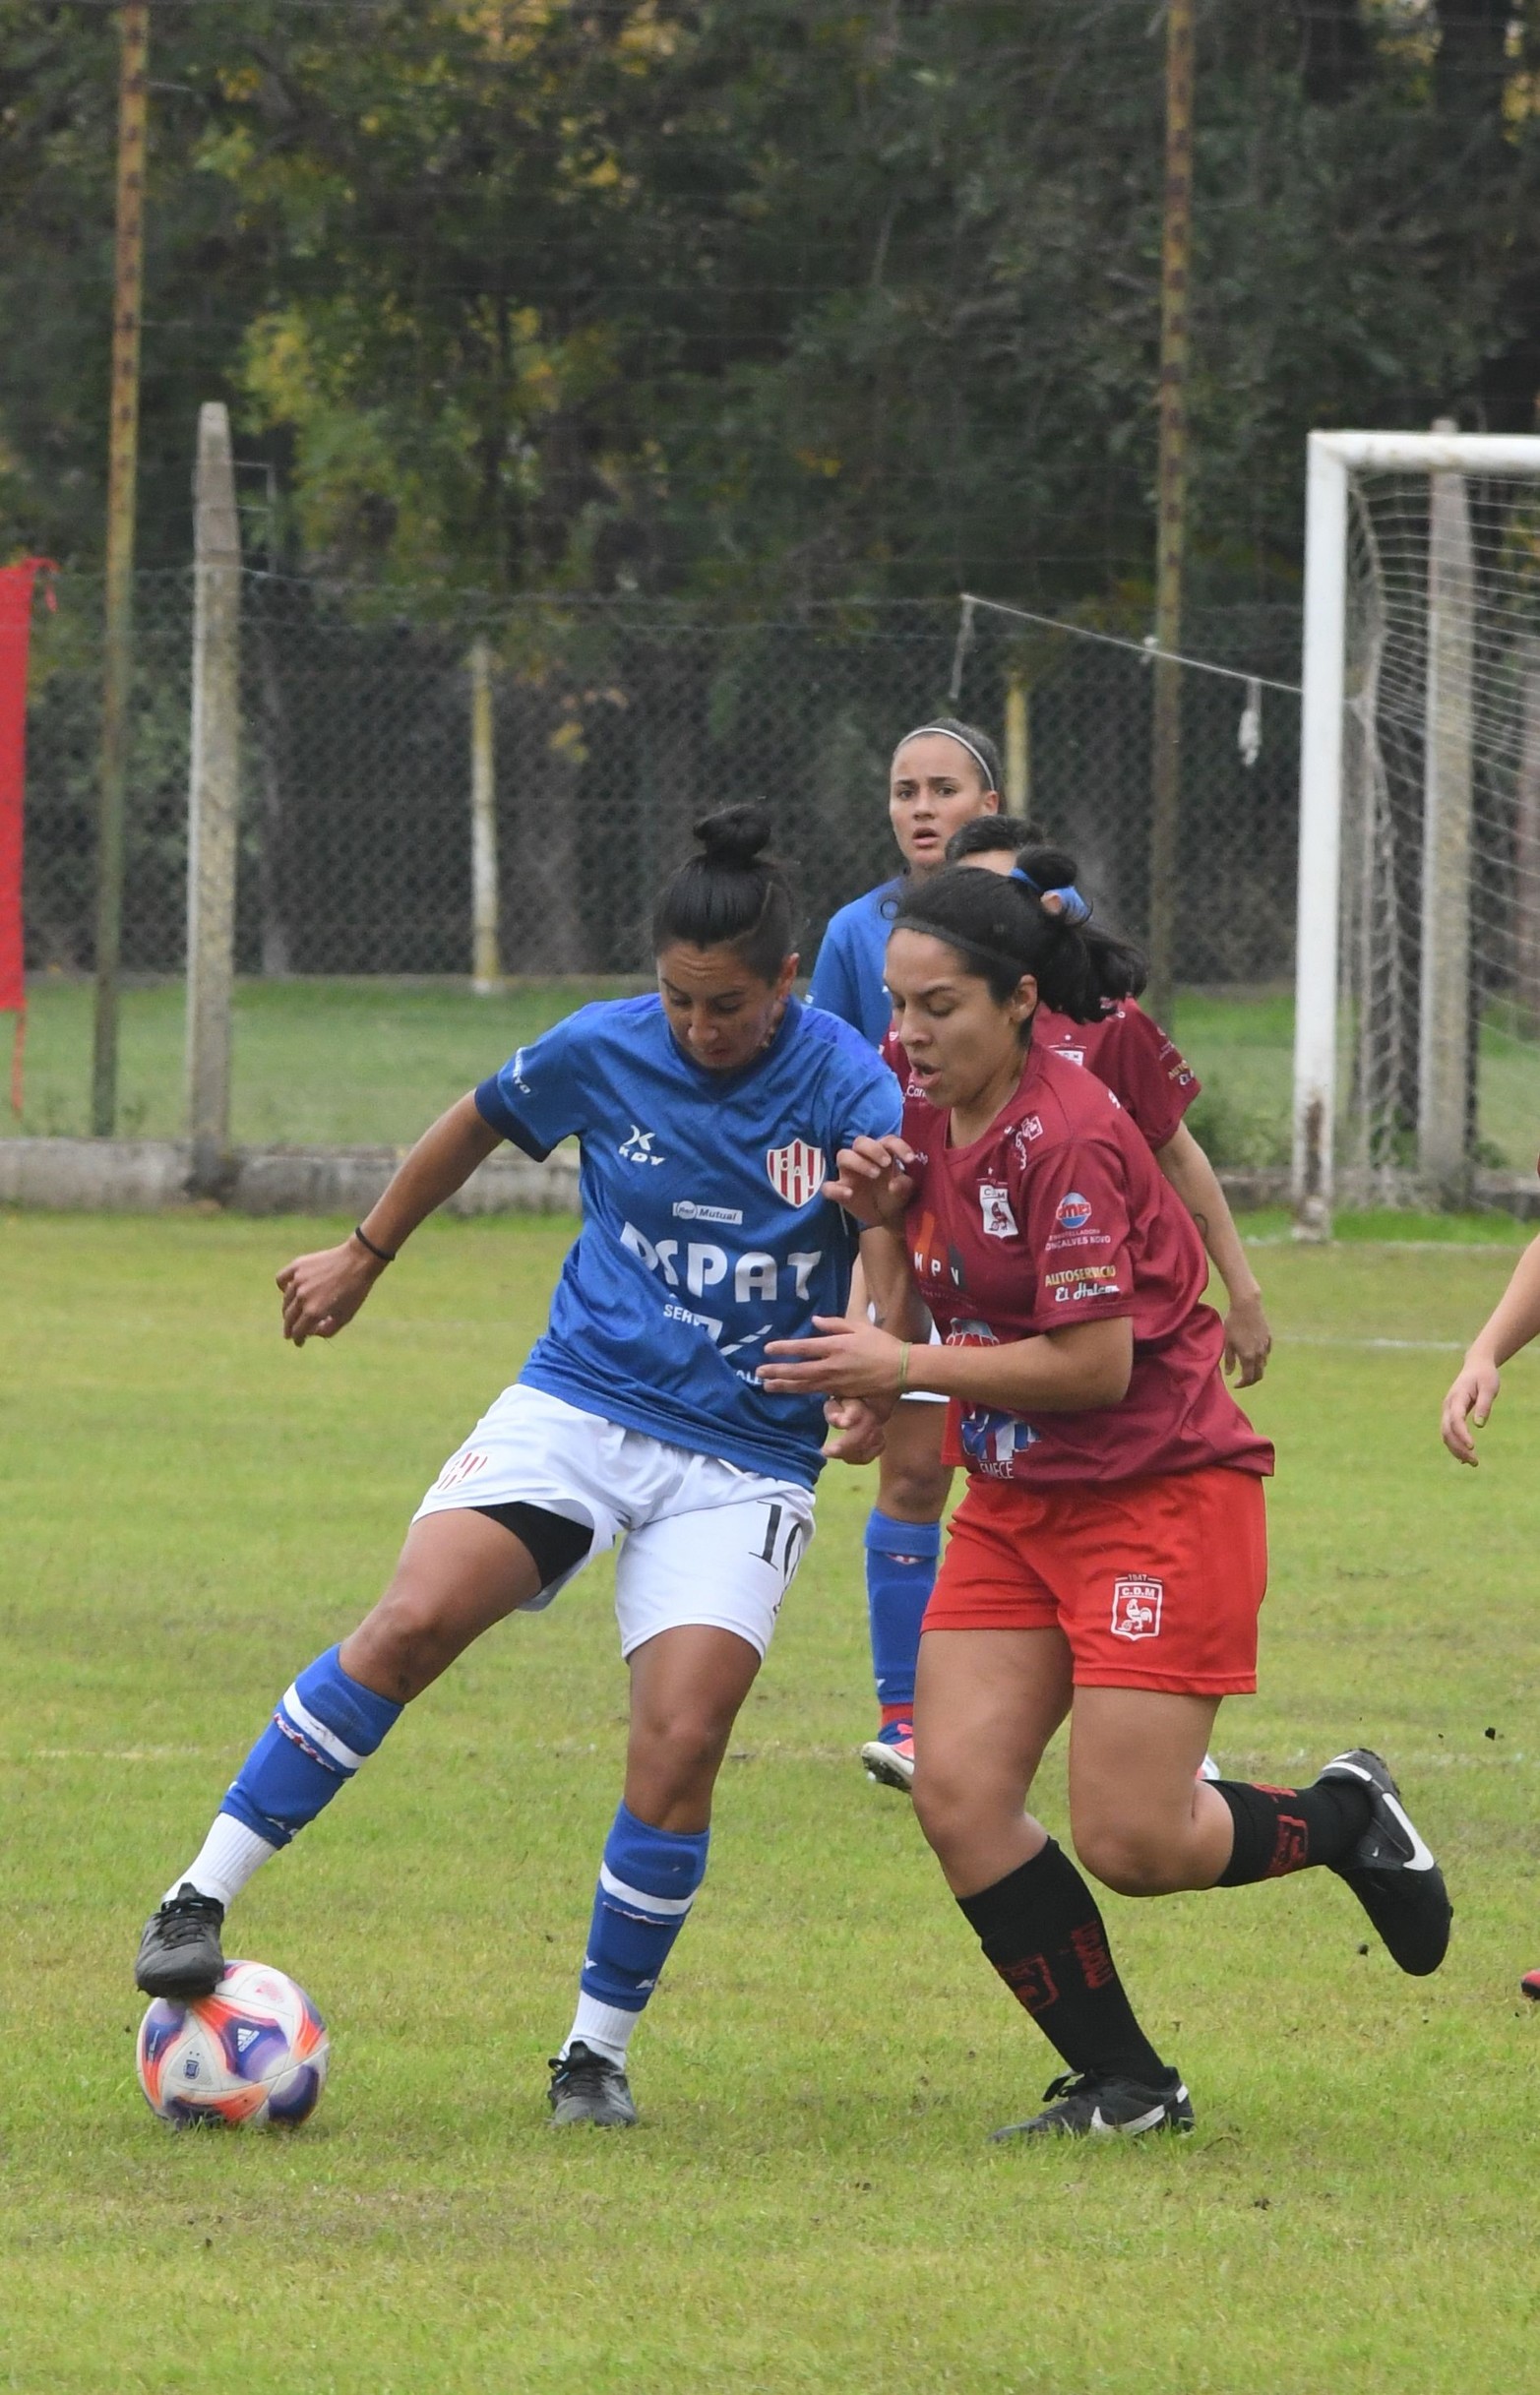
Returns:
point(995, 1208)
point(1135, 1607)
point(796, 1172)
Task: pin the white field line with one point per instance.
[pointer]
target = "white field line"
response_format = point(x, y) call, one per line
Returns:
point(1394, 1246)
point(1330, 1338)
point(116, 1755)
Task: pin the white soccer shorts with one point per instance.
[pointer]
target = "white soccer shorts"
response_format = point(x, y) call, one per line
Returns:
point(703, 1542)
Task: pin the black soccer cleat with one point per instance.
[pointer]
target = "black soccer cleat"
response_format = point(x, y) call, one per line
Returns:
point(179, 1954)
point(1094, 2105)
point(1529, 1986)
point(1391, 1871)
point(586, 2086)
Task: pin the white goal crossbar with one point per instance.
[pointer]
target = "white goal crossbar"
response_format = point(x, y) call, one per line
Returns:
point(1447, 458)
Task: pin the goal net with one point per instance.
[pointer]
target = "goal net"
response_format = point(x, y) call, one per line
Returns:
point(1418, 1000)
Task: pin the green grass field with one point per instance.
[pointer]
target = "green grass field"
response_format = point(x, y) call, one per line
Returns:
point(338, 1062)
point(192, 1511)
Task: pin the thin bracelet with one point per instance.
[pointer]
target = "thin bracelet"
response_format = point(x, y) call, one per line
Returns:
point(386, 1255)
point(903, 1367)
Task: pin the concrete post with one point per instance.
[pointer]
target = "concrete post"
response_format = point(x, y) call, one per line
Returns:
point(1443, 1049)
point(486, 961)
point(214, 800)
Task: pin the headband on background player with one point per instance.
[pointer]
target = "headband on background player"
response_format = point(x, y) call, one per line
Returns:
point(1072, 908)
point(946, 733)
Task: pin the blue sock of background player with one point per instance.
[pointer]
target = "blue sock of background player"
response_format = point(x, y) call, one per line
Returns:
point(902, 1559)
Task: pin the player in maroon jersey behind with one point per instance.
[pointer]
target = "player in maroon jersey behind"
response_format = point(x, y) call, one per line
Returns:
point(1152, 1080)
point(1109, 1558)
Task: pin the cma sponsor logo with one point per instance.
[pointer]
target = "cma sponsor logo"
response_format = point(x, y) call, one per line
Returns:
point(756, 1278)
point(994, 1205)
point(637, 1147)
point(686, 1210)
point(1073, 1211)
point(1137, 1608)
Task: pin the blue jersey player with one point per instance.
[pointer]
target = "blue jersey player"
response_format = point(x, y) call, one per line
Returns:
point(709, 1118)
point(944, 774)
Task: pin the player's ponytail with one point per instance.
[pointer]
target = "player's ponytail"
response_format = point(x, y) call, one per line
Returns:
point(1001, 927)
point(730, 894)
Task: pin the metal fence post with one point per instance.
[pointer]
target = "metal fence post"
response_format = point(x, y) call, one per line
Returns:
point(122, 474)
point(212, 799)
point(1019, 754)
point(486, 961)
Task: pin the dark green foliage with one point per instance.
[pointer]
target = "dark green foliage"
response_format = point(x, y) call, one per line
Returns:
point(761, 300)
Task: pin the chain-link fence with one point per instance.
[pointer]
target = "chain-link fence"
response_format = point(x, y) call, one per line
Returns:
point(615, 726)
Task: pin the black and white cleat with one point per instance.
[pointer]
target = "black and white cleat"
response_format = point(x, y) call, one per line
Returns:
point(179, 1953)
point(1093, 2106)
point(586, 2086)
point(1391, 1871)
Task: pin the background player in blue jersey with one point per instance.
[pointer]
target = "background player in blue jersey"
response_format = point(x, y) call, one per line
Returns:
point(944, 774)
point(709, 1118)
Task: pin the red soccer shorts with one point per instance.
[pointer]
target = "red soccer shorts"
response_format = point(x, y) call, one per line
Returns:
point(1156, 1583)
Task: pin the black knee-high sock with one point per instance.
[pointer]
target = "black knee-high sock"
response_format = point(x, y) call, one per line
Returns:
point(1041, 1929)
point(1278, 1830)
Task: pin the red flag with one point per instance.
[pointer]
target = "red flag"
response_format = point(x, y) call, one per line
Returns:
point(16, 618)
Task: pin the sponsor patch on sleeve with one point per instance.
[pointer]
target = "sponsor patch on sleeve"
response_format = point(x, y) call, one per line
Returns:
point(1073, 1273)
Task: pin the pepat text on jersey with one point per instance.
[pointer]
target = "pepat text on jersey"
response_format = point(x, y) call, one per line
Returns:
point(705, 1230)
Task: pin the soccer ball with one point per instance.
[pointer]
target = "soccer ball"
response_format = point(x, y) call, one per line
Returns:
point(255, 2052)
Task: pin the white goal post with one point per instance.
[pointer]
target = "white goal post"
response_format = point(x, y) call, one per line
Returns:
point(1420, 646)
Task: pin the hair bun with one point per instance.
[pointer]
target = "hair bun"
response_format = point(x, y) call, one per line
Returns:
point(734, 836)
point(1048, 868)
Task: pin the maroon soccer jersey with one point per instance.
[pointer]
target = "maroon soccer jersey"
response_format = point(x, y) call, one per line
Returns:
point(1147, 1072)
point(1059, 1214)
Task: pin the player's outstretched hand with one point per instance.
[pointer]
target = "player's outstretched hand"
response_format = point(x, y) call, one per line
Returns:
point(1248, 1343)
point(1472, 1394)
point(845, 1360)
point(858, 1433)
point(871, 1184)
point(323, 1292)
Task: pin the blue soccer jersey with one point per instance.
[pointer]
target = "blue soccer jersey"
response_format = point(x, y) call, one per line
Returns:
point(704, 1230)
point(847, 978)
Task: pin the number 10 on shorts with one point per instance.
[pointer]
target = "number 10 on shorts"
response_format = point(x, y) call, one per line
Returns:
point(784, 1554)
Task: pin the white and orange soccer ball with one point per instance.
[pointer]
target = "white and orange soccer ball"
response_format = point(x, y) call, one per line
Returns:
point(251, 2056)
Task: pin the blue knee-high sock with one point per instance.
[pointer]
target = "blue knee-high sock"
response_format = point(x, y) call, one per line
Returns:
point(326, 1725)
point(647, 1881)
point(900, 1572)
